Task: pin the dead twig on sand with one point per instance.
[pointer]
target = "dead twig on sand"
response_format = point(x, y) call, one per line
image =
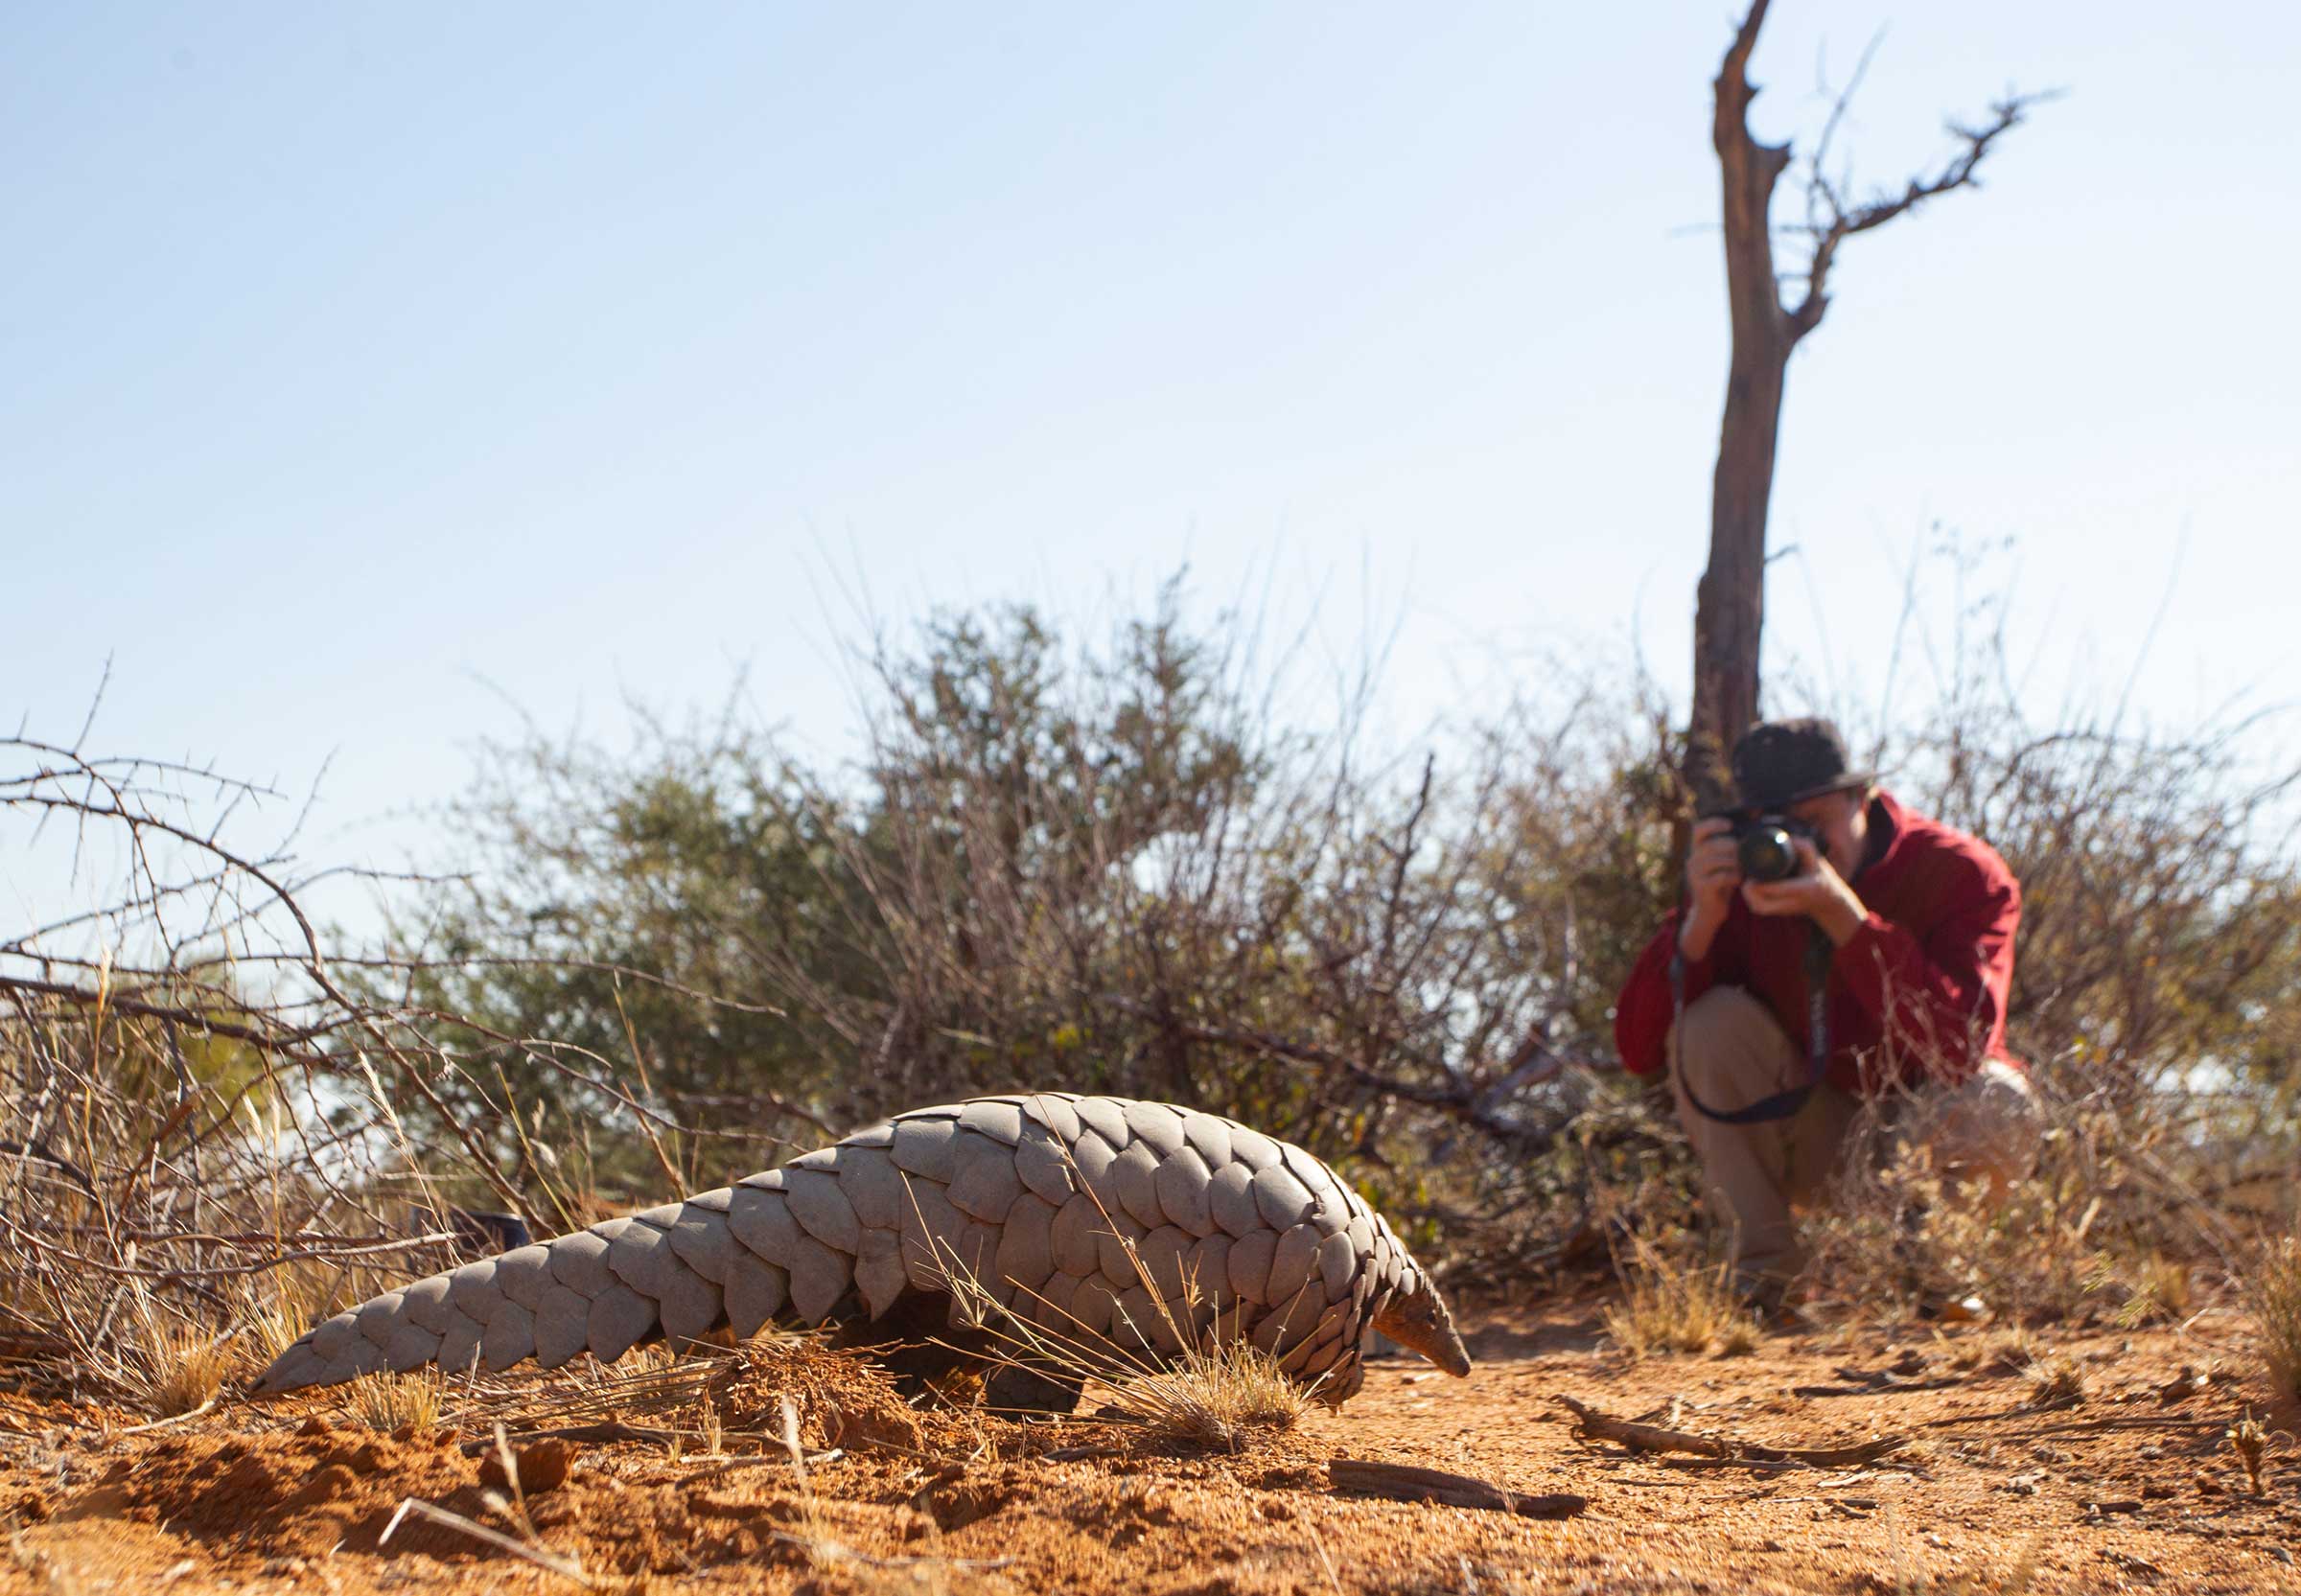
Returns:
point(1399, 1482)
point(2151, 1421)
point(184, 1418)
point(1591, 1424)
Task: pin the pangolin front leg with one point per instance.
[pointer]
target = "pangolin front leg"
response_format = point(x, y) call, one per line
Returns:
point(1141, 1223)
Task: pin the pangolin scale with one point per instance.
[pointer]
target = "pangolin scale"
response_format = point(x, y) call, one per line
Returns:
point(1029, 1198)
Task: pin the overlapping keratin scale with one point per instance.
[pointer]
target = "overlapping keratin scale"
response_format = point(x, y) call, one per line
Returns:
point(1078, 1212)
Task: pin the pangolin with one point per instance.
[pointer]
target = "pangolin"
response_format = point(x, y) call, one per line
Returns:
point(1056, 1207)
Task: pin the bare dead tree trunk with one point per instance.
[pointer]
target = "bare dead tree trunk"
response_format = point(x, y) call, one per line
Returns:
point(1729, 604)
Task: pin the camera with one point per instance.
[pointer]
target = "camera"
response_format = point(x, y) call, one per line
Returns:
point(1766, 845)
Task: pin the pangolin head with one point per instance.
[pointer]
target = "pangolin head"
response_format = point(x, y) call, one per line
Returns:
point(1415, 1317)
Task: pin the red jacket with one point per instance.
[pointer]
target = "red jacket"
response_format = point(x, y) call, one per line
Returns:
point(1918, 993)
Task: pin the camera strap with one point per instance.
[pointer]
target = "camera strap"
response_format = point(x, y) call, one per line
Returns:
point(1780, 1105)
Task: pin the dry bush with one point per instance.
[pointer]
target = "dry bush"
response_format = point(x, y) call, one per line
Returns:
point(1135, 867)
point(199, 1150)
point(2107, 1222)
point(2157, 1288)
point(2272, 1291)
point(1121, 866)
point(1892, 1238)
point(146, 1224)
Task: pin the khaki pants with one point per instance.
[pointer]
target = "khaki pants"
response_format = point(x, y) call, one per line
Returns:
point(1733, 1050)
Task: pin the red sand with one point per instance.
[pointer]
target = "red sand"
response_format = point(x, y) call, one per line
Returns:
point(2127, 1489)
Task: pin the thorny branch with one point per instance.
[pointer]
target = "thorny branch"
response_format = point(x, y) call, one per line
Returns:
point(1831, 219)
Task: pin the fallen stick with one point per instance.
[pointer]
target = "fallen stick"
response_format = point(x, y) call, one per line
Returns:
point(2080, 1426)
point(1592, 1426)
point(1399, 1482)
point(163, 1424)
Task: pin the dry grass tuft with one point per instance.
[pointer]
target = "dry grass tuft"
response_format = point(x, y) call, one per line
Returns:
point(272, 1327)
point(180, 1368)
point(1179, 1376)
point(648, 1385)
point(1896, 1236)
point(2273, 1297)
point(2159, 1289)
point(1674, 1305)
point(1209, 1391)
point(1213, 1395)
point(393, 1402)
point(2057, 1381)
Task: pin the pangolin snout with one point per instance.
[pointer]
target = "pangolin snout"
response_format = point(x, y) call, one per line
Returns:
point(1418, 1321)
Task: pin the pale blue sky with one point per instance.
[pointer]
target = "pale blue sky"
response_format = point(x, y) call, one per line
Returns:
point(351, 355)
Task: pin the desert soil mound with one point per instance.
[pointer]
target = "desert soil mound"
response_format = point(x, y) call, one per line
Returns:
point(2092, 1461)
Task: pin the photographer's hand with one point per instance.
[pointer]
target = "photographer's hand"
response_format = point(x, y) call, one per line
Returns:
point(1816, 892)
point(1713, 873)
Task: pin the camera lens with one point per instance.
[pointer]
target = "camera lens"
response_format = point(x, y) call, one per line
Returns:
point(1767, 853)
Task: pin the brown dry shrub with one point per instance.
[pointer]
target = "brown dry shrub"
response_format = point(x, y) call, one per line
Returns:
point(2104, 1222)
point(2272, 1290)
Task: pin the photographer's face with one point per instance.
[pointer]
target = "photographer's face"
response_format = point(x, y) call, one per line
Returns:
point(1843, 822)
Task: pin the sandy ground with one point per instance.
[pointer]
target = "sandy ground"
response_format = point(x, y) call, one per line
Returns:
point(2130, 1487)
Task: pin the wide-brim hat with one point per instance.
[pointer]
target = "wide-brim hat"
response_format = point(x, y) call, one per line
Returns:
point(1779, 763)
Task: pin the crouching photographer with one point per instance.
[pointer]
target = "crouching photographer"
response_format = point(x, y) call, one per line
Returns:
point(1835, 951)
